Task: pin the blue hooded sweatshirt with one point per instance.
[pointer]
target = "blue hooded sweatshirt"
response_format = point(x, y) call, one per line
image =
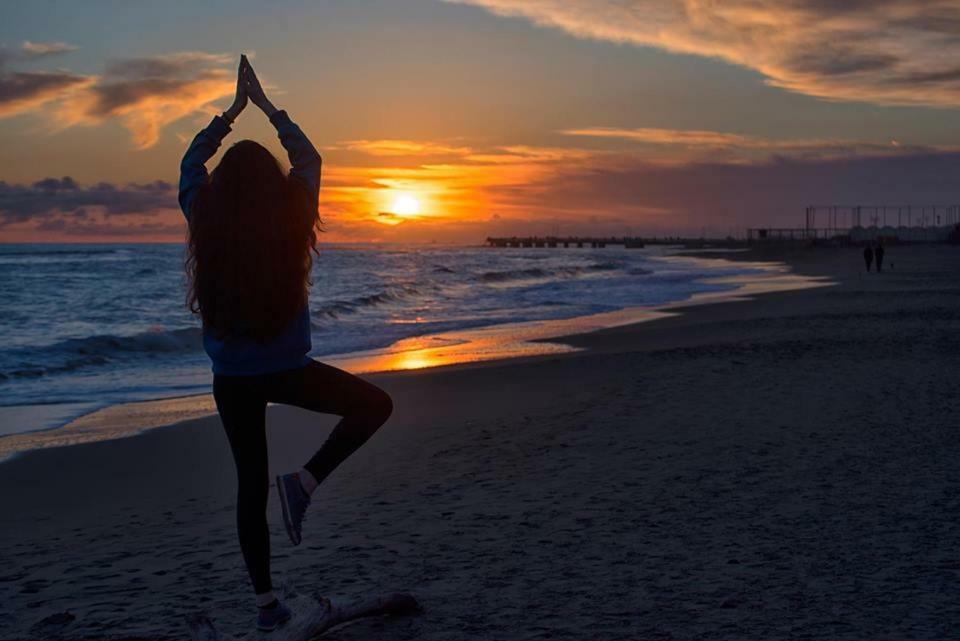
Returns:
point(236, 356)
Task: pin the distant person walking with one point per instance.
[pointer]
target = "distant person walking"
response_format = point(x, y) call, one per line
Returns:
point(878, 257)
point(868, 256)
point(252, 230)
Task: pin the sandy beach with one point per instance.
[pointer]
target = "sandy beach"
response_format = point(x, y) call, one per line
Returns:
point(781, 468)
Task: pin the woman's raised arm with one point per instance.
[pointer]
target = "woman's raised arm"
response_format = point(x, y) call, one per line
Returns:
point(193, 170)
point(305, 161)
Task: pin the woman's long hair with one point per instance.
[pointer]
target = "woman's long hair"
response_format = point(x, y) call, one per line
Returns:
point(248, 260)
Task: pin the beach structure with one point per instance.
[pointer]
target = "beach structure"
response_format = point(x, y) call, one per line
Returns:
point(565, 241)
point(867, 223)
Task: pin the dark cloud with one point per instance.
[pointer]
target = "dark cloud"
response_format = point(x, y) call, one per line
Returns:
point(115, 97)
point(60, 199)
point(927, 78)
point(59, 184)
point(832, 61)
point(177, 65)
point(22, 90)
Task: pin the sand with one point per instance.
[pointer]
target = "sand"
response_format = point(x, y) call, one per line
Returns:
point(783, 468)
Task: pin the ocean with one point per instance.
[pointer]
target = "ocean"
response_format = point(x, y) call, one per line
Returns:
point(87, 326)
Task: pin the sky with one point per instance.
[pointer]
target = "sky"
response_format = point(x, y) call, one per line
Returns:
point(451, 121)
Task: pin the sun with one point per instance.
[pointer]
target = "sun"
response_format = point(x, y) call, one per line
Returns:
point(405, 205)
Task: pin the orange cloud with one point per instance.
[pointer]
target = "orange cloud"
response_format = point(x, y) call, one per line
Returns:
point(524, 154)
point(746, 146)
point(401, 148)
point(21, 92)
point(147, 94)
point(882, 51)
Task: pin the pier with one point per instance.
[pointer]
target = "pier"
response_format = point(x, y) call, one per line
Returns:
point(565, 241)
point(822, 224)
point(630, 242)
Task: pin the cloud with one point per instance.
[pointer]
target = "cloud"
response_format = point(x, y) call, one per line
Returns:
point(32, 50)
point(747, 146)
point(21, 91)
point(510, 154)
point(62, 199)
point(668, 136)
point(526, 154)
point(881, 51)
point(391, 147)
point(145, 93)
point(149, 93)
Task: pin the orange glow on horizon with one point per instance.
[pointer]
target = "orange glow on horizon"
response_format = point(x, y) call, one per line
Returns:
point(369, 192)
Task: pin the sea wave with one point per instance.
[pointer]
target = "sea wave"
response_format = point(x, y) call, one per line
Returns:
point(604, 266)
point(76, 353)
point(60, 252)
point(512, 274)
point(567, 271)
point(53, 256)
point(338, 308)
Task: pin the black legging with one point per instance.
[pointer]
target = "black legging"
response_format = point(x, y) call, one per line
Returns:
point(242, 401)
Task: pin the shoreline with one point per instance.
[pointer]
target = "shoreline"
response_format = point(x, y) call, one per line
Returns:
point(513, 342)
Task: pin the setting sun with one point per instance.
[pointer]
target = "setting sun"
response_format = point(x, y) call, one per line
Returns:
point(405, 205)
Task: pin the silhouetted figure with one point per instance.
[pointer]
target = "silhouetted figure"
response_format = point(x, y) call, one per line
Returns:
point(252, 229)
point(868, 256)
point(878, 256)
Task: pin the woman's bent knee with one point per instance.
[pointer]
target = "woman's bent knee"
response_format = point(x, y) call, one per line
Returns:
point(386, 406)
point(381, 406)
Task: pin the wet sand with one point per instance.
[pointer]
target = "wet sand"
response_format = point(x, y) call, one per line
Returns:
point(783, 468)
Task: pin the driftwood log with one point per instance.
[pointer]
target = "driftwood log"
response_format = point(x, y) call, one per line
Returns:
point(312, 617)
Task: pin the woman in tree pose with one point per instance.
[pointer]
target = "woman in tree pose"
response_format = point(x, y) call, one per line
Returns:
point(252, 230)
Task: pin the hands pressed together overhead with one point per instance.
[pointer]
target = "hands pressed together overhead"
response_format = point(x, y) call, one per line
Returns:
point(248, 87)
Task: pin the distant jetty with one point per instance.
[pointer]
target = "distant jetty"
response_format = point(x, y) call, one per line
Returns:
point(566, 241)
point(630, 242)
